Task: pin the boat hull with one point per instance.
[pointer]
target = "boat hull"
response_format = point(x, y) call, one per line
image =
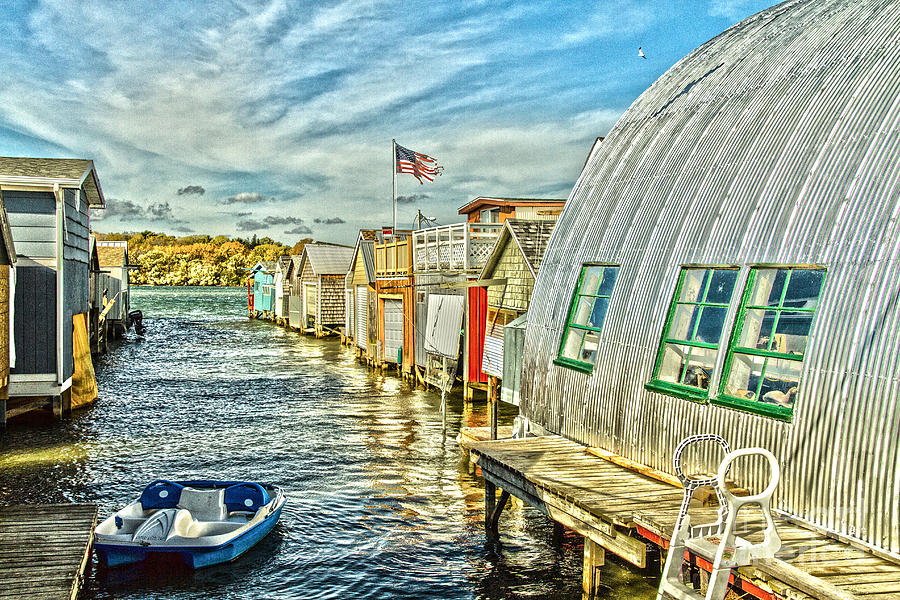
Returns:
point(195, 557)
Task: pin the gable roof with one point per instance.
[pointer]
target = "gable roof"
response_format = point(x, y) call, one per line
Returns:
point(66, 172)
point(365, 247)
point(531, 237)
point(328, 259)
point(284, 264)
point(111, 256)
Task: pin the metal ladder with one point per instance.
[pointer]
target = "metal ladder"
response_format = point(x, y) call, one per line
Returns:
point(716, 542)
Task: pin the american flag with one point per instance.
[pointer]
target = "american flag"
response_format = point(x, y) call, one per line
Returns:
point(419, 165)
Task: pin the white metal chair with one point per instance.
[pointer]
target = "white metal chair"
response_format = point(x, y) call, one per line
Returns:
point(716, 542)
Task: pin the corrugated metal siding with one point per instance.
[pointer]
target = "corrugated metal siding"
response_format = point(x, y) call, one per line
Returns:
point(513, 347)
point(777, 142)
point(362, 313)
point(442, 324)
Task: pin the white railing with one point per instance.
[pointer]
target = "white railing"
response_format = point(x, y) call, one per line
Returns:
point(457, 247)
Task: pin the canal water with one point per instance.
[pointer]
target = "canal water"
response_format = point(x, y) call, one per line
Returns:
point(379, 502)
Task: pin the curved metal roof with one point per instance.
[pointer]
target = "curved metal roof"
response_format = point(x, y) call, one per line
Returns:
point(776, 142)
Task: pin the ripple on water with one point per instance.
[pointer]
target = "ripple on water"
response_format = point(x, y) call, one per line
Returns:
point(379, 503)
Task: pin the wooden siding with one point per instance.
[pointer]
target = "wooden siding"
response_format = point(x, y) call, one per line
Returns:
point(76, 238)
point(516, 293)
point(331, 300)
point(32, 218)
point(35, 320)
point(359, 270)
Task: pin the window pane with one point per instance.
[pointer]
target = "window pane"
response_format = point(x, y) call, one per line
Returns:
point(693, 284)
point(721, 286)
point(683, 321)
point(781, 382)
point(700, 367)
point(673, 360)
point(768, 287)
point(589, 349)
point(757, 330)
point(583, 310)
point(572, 346)
point(591, 280)
point(803, 288)
point(599, 312)
point(609, 279)
point(712, 320)
point(792, 332)
point(743, 380)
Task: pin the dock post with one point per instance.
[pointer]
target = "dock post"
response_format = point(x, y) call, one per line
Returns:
point(493, 402)
point(490, 504)
point(594, 557)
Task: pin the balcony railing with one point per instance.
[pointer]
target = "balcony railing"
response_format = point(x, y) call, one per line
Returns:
point(392, 259)
point(455, 248)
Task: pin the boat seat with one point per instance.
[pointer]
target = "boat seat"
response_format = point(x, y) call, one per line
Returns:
point(246, 497)
point(204, 504)
point(161, 494)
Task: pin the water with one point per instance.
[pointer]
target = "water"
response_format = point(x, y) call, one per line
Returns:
point(380, 503)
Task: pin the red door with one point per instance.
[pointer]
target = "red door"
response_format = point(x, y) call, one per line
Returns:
point(475, 334)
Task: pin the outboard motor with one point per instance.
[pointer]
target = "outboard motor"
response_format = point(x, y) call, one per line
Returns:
point(137, 317)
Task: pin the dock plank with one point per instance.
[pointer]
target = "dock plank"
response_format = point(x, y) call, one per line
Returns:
point(599, 488)
point(44, 549)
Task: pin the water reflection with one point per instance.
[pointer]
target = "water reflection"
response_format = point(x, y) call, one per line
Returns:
point(380, 504)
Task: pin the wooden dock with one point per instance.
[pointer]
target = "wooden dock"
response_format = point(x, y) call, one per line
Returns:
point(622, 511)
point(44, 550)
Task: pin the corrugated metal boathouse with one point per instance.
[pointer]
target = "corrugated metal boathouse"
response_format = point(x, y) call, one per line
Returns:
point(729, 262)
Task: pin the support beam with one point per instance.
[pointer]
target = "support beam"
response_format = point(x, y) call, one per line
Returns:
point(594, 558)
point(495, 515)
point(490, 505)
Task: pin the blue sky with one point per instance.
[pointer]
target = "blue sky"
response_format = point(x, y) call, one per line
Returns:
point(276, 118)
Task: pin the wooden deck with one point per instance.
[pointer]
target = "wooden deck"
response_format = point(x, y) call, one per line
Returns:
point(625, 512)
point(44, 550)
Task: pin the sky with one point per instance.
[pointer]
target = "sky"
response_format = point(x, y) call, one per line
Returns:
point(275, 118)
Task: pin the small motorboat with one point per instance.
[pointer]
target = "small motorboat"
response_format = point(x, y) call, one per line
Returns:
point(202, 522)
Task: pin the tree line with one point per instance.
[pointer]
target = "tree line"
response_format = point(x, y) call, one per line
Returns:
point(197, 259)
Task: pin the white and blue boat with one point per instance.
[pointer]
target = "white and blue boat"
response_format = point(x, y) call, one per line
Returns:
point(202, 522)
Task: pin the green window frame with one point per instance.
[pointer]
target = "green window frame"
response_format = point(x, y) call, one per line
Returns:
point(768, 344)
point(689, 348)
point(587, 312)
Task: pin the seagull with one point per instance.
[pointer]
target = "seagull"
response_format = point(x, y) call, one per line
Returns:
point(641, 53)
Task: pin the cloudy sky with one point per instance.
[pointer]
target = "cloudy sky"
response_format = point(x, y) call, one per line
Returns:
point(276, 117)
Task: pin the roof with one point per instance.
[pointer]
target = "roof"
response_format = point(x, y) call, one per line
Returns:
point(66, 172)
point(7, 248)
point(284, 263)
point(480, 201)
point(266, 266)
point(530, 236)
point(369, 234)
point(111, 256)
point(328, 259)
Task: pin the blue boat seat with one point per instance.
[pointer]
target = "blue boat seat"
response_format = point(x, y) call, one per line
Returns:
point(246, 497)
point(161, 494)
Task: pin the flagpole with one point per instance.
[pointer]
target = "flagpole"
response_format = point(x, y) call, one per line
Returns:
point(394, 182)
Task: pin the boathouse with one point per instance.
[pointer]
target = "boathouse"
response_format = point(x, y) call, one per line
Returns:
point(112, 256)
point(394, 288)
point(446, 259)
point(323, 272)
point(485, 210)
point(295, 302)
point(360, 294)
point(47, 201)
point(7, 293)
point(728, 263)
point(282, 282)
point(509, 276)
point(262, 276)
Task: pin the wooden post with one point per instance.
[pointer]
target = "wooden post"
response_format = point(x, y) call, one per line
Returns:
point(490, 503)
point(493, 402)
point(594, 557)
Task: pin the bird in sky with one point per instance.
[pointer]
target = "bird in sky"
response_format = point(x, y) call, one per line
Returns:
point(641, 53)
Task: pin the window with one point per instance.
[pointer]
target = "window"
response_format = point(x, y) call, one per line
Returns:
point(581, 337)
point(765, 356)
point(490, 215)
point(693, 330)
